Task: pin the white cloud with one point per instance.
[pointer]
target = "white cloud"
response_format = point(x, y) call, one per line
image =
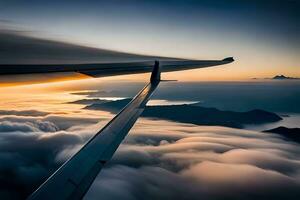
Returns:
point(174, 161)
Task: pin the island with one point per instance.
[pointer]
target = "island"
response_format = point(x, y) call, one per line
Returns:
point(89, 101)
point(282, 77)
point(193, 113)
point(292, 134)
point(278, 77)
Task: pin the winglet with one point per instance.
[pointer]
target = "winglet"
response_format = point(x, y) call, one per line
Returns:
point(155, 76)
point(229, 59)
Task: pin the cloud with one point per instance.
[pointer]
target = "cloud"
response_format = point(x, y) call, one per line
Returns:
point(176, 161)
point(234, 181)
point(140, 183)
point(34, 113)
point(49, 123)
point(200, 163)
point(32, 147)
point(19, 47)
point(7, 126)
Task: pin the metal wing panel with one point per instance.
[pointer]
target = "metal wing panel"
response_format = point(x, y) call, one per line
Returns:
point(111, 69)
point(166, 66)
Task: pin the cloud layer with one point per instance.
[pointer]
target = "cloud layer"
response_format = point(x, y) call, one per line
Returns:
point(191, 162)
point(174, 161)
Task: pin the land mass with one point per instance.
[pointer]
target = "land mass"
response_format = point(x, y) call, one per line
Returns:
point(90, 101)
point(194, 114)
point(289, 133)
point(280, 77)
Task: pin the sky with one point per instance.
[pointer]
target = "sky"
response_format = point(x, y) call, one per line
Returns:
point(262, 36)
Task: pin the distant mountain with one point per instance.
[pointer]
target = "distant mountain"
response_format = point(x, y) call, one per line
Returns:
point(289, 133)
point(111, 106)
point(279, 77)
point(193, 113)
point(282, 77)
point(89, 101)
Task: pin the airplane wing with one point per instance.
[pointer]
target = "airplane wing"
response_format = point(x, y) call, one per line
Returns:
point(73, 179)
point(110, 69)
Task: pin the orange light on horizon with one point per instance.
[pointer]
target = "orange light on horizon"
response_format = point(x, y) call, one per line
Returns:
point(28, 79)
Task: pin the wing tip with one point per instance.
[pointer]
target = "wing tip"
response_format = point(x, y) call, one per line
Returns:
point(228, 59)
point(155, 75)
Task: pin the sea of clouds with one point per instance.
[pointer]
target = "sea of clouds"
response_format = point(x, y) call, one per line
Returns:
point(157, 160)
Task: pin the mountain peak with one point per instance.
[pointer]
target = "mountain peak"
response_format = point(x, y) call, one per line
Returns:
point(281, 77)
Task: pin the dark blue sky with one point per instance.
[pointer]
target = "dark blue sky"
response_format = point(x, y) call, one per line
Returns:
point(256, 14)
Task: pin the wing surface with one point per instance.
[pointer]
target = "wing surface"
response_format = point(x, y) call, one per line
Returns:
point(110, 69)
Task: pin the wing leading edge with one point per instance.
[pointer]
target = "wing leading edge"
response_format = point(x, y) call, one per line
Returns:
point(110, 69)
point(74, 177)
